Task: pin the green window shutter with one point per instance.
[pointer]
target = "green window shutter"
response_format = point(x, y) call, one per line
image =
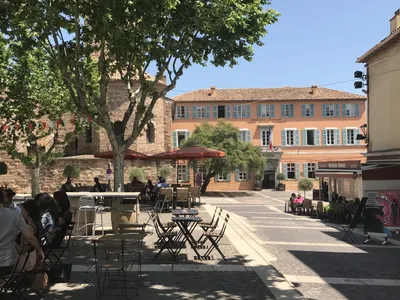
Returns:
point(344, 133)
point(248, 111)
point(187, 173)
point(235, 111)
point(187, 112)
point(357, 108)
point(343, 110)
point(304, 137)
point(283, 142)
point(227, 111)
point(292, 110)
point(324, 137)
point(324, 110)
point(236, 175)
point(358, 131)
point(317, 137)
point(311, 110)
point(285, 170)
point(303, 110)
point(259, 111)
point(337, 110)
point(297, 175)
point(305, 170)
point(337, 136)
point(194, 114)
point(215, 111)
point(187, 134)
point(272, 110)
point(283, 111)
point(207, 111)
point(248, 136)
point(296, 137)
point(174, 140)
point(229, 176)
point(249, 174)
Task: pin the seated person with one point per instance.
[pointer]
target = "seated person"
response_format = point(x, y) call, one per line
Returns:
point(11, 223)
point(63, 217)
point(8, 200)
point(67, 186)
point(97, 185)
point(48, 213)
point(162, 184)
point(31, 215)
point(298, 201)
point(292, 197)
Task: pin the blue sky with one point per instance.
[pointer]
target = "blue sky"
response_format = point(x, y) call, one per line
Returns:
point(314, 42)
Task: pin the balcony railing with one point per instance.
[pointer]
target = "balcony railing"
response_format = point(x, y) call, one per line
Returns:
point(271, 149)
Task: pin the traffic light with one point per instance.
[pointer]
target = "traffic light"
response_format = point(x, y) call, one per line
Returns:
point(358, 74)
point(358, 84)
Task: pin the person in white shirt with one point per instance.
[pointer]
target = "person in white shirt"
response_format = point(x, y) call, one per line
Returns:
point(11, 223)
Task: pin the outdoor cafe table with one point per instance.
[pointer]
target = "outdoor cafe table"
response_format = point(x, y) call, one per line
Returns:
point(185, 212)
point(187, 226)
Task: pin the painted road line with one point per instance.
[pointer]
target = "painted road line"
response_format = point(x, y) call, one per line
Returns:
point(173, 268)
point(258, 212)
point(296, 227)
point(258, 258)
point(289, 219)
point(268, 197)
point(343, 280)
point(338, 244)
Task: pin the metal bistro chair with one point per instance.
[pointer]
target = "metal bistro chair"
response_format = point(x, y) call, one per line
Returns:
point(215, 238)
point(182, 196)
point(87, 204)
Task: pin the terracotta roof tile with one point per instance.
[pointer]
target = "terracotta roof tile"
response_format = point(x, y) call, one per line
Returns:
point(253, 94)
point(381, 46)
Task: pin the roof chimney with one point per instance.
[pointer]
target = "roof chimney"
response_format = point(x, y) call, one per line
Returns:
point(313, 89)
point(395, 21)
point(212, 90)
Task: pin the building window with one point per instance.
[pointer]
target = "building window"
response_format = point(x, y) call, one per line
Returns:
point(289, 137)
point(241, 111)
point(265, 137)
point(242, 175)
point(182, 112)
point(178, 136)
point(330, 110)
point(350, 136)
point(291, 171)
point(223, 177)
point(201, 112)
point(265, 111)
point(183, 173)
point(307, 110)
point(245, 135)
point(310, 137)
point(311, 170)
point(350, 110)
point(222, 111)
point(330, 137)
point(287, 110)
point(89, 134)
point(150, 133)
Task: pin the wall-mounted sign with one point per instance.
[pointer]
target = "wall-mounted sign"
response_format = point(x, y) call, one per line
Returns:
point(349, 165)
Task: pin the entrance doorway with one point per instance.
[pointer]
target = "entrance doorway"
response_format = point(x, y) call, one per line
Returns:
point(269, 177)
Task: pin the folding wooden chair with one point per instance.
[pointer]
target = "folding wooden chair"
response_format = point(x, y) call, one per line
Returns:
point(348, 229)
point(215, 237)
point(182, 196)
point(307, 206)
point(165, 239)
point(209, 226)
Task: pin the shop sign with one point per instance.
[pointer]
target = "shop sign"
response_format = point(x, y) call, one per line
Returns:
point(348, 165)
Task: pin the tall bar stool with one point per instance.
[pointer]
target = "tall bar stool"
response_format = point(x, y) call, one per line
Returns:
point(87, 204)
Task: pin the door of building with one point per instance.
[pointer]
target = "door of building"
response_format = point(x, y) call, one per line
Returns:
point(269, 177)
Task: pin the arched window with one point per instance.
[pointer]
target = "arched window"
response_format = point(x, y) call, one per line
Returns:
point(150, 133)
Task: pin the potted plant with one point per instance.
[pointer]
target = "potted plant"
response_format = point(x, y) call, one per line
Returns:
point(280, 186)
point(305, 184)
point(165, 171)
point(71, 171)
point(139, 173)
point(257, 186)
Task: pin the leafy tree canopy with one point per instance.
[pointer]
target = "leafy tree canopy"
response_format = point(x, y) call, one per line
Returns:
point(305, 184)
point(224, 136)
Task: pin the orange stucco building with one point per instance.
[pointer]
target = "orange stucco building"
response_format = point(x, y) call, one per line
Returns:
point(295, 128)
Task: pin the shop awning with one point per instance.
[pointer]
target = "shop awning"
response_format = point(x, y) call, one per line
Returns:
point(338, 173)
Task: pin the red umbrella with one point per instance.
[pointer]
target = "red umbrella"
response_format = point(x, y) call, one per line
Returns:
point(191, 153)
point(129, 154)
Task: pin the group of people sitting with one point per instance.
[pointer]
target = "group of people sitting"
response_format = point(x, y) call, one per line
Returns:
point(149, 190)
point(296, 202)
point(22, 229)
